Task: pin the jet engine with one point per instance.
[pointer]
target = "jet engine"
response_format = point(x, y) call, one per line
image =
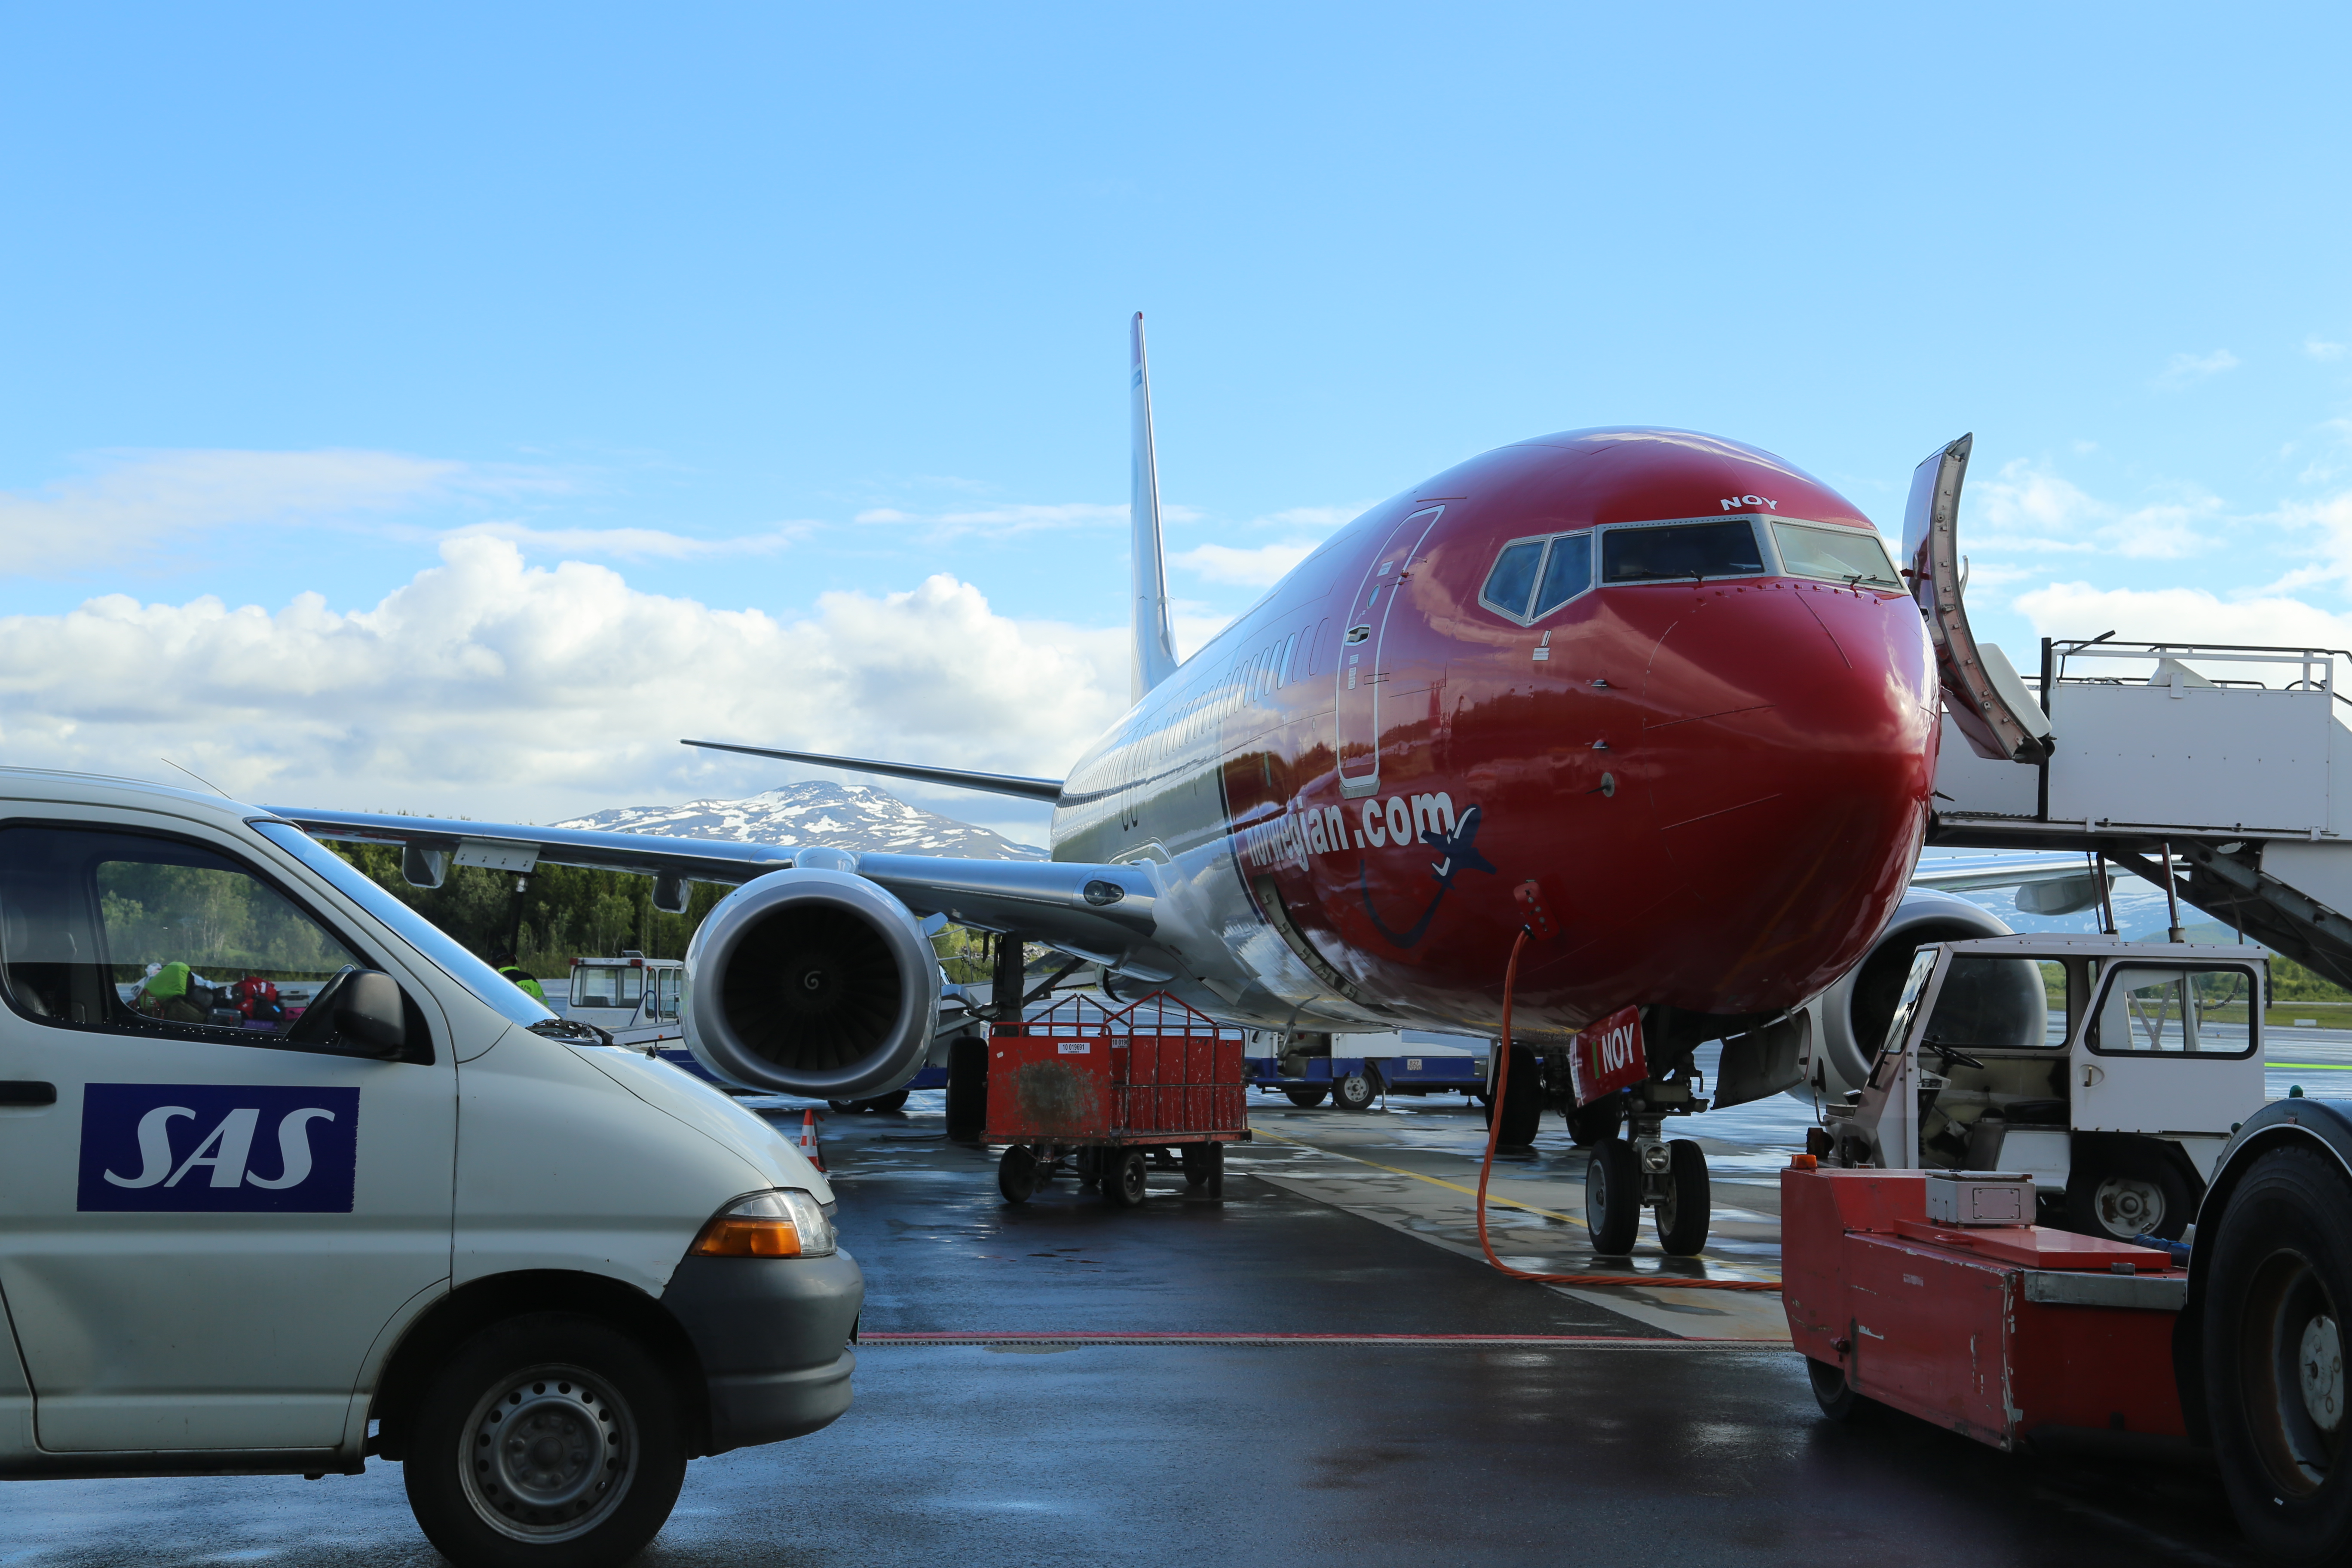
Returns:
point(1850, 1018)
point(812, 980)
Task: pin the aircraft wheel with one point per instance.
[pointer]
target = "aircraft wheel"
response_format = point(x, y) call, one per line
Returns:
point(967, 1088)
point(1613, 1198)
point(1683, 1217)
point(1016, 1175)
point(893, 1100)
point(844, 1107)
point(1307, 1098)
point(1596, 1122)
point(1123, 1177)
point(1522, 1101)
point(1832, 1392)
point(1355, 1092)
point(2123, 1190)
point(2277, 1289)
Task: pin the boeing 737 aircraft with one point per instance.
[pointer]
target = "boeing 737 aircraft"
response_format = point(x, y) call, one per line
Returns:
point(1660, 698)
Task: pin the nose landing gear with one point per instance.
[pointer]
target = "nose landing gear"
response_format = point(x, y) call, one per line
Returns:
point(1650, 1172)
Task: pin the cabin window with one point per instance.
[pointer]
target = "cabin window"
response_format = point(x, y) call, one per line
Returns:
point(1568, 572)
point(1513, 581)
point(1695, 550)
point(1835, 555)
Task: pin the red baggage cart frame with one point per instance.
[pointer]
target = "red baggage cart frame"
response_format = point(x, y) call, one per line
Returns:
point(1114, 1089)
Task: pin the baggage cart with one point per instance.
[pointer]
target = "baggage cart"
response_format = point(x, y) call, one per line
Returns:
point(1108, 1096)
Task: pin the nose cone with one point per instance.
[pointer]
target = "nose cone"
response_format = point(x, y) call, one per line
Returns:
point(1787, 744)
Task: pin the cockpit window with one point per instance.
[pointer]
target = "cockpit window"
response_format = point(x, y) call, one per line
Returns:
point(1514, 578)
point(1837, 554)
point(1695, 550)
point(1568, 572)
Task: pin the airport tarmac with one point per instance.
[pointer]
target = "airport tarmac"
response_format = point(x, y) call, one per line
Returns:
point(1317, 1371)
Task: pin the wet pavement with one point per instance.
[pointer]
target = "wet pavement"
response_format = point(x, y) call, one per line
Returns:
point(1319, 1380)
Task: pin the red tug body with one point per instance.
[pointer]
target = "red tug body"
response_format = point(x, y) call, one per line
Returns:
point(2008, 1334)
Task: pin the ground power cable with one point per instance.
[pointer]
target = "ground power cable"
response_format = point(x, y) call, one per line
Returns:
point(1486, 1167)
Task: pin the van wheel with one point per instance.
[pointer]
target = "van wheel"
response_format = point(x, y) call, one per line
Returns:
point(2277, 1289)
point(548, 1439)
point(1355, 1092)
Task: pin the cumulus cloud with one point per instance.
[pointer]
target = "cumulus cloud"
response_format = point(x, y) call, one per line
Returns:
point(2318, 348)
point(147, 502)
point(488, 687)
point(2182, 370)
point(2184, 615)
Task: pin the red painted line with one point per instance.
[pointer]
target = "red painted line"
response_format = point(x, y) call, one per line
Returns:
point(1076, 1337)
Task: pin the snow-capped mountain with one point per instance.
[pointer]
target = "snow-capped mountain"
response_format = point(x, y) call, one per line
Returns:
point(839, 816)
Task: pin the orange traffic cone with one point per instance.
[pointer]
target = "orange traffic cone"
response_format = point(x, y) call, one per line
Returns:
point(808, 1139)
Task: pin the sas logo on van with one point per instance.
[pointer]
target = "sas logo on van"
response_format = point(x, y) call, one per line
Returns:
point(213, 1147)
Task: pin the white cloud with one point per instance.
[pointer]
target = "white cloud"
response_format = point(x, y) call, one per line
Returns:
point(148, 501)
point(2320, 349)
point(490, 687)
point(2183, 615)
point(1257, 568)
point(2026, 507)
point(2183, 369)
point(634, 544)
point(1003, 522)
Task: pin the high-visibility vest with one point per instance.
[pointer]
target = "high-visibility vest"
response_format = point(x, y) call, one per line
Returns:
point(521, 977)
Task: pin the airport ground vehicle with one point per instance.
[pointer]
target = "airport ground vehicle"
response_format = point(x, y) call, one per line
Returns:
point(631, 997)
point(2111, 1072)
point(1111, 1093)
point(1923, 1290)
point(262, 1240)
point(1353, 1070)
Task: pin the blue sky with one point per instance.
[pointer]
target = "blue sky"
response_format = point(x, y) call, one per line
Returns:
point(531, 384)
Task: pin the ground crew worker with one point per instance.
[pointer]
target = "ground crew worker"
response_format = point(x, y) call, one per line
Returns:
point(504, 962)
point(172, 994)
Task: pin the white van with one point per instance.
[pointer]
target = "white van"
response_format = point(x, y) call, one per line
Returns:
point(289, 1178)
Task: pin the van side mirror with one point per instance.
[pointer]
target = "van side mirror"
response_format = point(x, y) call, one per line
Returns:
point(368, 1010)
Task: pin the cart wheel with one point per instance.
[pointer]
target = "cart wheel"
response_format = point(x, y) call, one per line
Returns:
point(1307, 1098)
point(1216, 1182)
point(1832, 1392)
point(1613, 1198)
point(1016, 1175)
point(1196, 1163)
point(1123, 1175)
point(1354, 1092)
point(1683, 1217)
point(1596, 1122)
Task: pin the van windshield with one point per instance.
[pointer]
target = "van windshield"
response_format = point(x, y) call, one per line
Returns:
point(445, 952)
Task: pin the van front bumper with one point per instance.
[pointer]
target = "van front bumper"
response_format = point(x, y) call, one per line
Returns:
point(773, 1337)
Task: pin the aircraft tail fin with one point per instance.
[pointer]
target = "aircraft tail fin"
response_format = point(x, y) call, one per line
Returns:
point(1154, 639)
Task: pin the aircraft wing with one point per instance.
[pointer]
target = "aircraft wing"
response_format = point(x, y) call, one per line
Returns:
point(1106, 914)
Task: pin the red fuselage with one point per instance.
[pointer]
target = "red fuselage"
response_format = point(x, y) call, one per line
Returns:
point(1705, 791)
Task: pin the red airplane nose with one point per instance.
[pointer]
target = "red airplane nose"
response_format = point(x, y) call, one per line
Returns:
point(1787, 753)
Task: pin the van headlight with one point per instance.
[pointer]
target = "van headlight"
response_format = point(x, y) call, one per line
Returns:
point(783, 1223)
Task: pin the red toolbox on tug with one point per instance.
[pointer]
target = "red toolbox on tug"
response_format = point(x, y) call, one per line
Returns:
point(2004, 1332)
point(1110, 1095)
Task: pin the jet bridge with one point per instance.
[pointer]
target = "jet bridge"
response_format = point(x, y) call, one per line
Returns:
point(2222, 772)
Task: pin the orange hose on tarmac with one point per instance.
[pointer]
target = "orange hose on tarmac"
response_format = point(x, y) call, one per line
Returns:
point(1486, 1166)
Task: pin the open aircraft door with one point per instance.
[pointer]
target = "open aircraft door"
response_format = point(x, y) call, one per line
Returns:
point(1982, 691)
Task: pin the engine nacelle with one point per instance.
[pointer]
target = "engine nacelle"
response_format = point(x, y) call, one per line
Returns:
point(1850, 1018)
point(812, 982)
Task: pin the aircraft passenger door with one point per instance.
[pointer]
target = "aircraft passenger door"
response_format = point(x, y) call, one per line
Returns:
point(1987, 703)
point(1360, 671)
point(206, 1219)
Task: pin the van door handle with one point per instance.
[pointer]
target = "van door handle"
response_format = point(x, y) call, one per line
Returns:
point(26, 1091)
